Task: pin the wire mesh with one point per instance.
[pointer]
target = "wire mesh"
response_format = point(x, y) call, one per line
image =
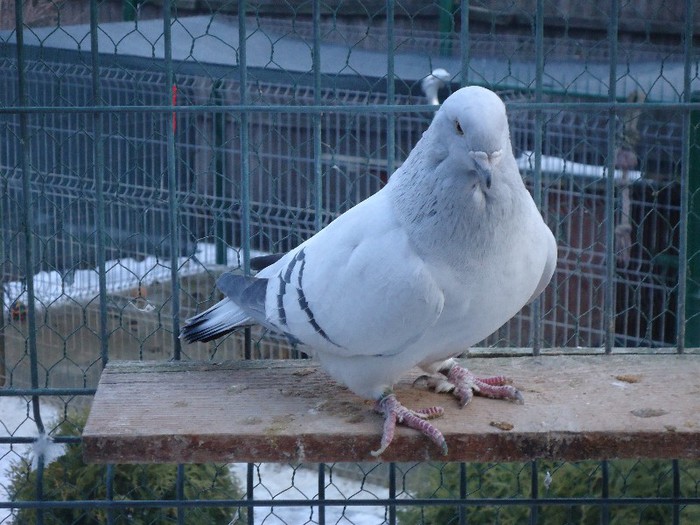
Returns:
point(148, 145)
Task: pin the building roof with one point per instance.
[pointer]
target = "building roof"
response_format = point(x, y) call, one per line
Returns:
point(214, 40)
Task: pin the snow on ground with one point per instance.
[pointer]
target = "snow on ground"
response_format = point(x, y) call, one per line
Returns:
point(51, 288)
point(284, 482)
point(16, 420)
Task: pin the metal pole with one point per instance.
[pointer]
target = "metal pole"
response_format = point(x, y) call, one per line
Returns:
point(245, 161)
point(536, 312)
point(28, 218)
point(688, 316)
point(464, 43)
point(130, 9)
point(316, 117)
point(446, 26)
point(690, 254)
point(173, 204)
point(610, 259)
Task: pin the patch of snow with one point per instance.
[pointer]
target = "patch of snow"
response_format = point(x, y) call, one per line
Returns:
point(284, 482)
point(51, 288)
point(17, 421)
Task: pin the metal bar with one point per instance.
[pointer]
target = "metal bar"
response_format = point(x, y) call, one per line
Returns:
point(464, 36)
point(173, 218)
point(244, 142)
point(173, 204)
point(605, 493)
point(364, 109)
point(610, 262)
point(244, 136)
point(46, 392)
point(321, 494)
point(130, 9)
point(28, 217)
point(3, 355)
point(99, 164)
point(536, 308)
point(391, 503)
point(417, 502)
point(688, 310)
point(676, 473)
point(534, 491)
point(109, 491)
point(219, 136)
point(9, 440)
point(445, 26)
point(316, 118)
point(463, 493)
point(180, 493)
point(101, 250)
point(250, 496)
point(390, 90)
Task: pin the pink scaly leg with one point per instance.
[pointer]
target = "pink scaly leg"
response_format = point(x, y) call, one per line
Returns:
point(467, 384)
point(463, 385)
point(394, 412)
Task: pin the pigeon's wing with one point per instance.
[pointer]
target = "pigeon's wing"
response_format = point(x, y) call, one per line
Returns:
point(355, 288)
point(551, 246)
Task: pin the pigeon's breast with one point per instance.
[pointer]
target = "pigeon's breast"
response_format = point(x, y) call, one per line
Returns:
point(484, 293)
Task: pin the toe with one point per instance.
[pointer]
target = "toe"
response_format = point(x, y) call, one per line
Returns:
point(394, 412)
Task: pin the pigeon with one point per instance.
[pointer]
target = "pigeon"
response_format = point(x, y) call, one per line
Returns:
point(449, 250)
point(431, 84)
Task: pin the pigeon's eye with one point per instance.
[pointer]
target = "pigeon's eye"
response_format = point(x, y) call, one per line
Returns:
point(458, 128)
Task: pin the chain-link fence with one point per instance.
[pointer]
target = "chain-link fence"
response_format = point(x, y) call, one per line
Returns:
point(147, 145)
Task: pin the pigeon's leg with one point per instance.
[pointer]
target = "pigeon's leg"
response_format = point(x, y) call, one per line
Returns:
point(463, 384)
point(394, 412)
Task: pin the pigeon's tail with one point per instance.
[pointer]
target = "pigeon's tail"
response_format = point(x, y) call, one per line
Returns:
point(219, 320)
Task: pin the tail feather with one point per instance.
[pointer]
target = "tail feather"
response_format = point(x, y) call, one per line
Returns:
point(220, 319)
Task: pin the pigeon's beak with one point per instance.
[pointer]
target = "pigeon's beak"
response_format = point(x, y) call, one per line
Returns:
point(485, 164)
point(484, 171)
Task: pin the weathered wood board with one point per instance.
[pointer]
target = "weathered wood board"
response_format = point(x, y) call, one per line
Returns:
point(576, 407)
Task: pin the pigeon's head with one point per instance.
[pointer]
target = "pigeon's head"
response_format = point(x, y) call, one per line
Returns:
point(472, 123)
point(431, 84)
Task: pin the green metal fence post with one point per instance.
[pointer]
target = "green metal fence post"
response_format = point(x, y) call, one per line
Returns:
point(446, 25)
point(692, 291)
point(129, 9)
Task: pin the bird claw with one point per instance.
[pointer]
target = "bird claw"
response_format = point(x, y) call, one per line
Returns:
point(465, 385)
point(394, 412)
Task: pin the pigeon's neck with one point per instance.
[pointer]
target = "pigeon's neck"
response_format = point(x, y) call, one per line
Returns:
point(431, 93)
point(449, 217)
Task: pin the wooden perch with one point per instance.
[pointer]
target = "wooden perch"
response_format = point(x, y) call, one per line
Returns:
point(576, 408)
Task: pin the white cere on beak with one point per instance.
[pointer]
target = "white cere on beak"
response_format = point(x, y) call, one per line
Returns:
point(488, 159)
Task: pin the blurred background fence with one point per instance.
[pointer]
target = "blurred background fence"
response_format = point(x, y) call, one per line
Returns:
point(147, 145)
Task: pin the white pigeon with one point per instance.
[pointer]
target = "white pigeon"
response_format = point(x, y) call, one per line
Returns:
point(442, 256)
point(431, 84)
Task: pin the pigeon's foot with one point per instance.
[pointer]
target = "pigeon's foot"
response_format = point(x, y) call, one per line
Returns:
point(463, 385)
point(394, 412)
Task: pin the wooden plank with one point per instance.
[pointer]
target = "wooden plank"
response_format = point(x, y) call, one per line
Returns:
point(576, 407)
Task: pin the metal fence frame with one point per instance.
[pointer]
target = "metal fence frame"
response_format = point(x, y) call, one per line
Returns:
point(244, 110)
